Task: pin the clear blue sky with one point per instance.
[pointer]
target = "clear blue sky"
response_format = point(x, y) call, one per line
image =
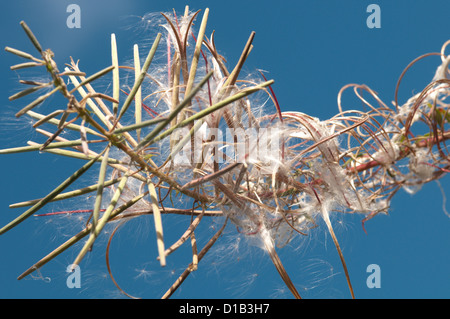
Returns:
point(311, 49)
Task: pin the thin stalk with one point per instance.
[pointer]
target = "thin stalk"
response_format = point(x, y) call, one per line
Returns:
point(148, 139)
point(212, 109)
point(138, 83)
point(48, 117)
point(102, 222)
point(211, 177)
point(38, 146)
point(71, 126)
point(140, 125)
point(185, 236)
point(73, 240)
point(101, 182)
point(268, 243)
point(89, 102)
point(78, 155)
point(93, 77)
point(195, 58)
point(67, 195)
point(116, 79)
point(175, 85)
point(194, 265)
point(108, 265)
point(23, 54)
point(138, 97)
point(31, 36)
point(36, 102)
point(49, 197)
point(176, 148)
point(326, 218)
point(25, 65)
point(102, 114)
point(232, 78)
point(188, 270)
point(158, 223)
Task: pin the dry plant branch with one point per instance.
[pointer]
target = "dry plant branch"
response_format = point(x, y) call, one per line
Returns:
point(275, 176)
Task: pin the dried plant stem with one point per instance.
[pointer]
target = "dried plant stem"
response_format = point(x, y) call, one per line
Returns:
point(37, 147)
point(36, 102)
point(73, 240)
point(116, 79)
point(49, 197)
point(108, 264)
point(140, 79)
point(101, 182)
point(23, 54)
point(138, 96)
point(28, 91)
point(102, 222)
point(213, 108)
point(268, 243)
point(158, 223)
point(188, 270)
point(150, 137)
point(186, 235)
point(196, 56)
point(326, 218)
point(67, 195)
point(93, 77)
point(354, 162)
point(71, 126)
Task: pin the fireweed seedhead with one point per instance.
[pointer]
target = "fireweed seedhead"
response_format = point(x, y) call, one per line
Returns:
point(188, 136)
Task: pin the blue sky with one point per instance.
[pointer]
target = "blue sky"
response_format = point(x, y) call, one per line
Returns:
point(311, 49)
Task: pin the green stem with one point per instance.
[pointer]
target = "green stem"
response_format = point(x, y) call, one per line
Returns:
point(49, 197)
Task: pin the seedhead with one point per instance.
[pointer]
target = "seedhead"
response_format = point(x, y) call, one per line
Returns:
point(221, 144)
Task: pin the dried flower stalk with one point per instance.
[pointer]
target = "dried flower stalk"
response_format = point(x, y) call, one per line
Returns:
point(354, 162)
